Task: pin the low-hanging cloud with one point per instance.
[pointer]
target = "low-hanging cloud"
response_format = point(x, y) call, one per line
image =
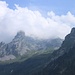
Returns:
point(32, 23)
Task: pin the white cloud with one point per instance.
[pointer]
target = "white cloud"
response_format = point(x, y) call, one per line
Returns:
point(33, 23)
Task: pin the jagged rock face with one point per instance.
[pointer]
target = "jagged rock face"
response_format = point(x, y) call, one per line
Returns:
point(1, 44)
point(61, 62)
point(69, 41)
point(73, 31)
point(67, 44)
point(20, 36)
point(18, 46)
point(22, 44)
point(63, 59)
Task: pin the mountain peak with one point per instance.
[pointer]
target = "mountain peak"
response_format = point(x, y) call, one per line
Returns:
point(69, 41)
point(73, 31)
point(20, 35)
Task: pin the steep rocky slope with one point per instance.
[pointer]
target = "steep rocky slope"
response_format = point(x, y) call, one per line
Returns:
point(22, 45)
point(60, 62)
point(63, 62)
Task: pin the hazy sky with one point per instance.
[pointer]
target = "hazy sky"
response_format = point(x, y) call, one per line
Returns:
point(40, 18)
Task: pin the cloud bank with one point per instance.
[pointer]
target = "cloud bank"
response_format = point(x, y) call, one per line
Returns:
point(33, 23)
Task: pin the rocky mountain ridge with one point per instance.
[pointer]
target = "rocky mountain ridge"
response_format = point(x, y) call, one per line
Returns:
point(63, 60)
point(60, 62)
point(22, 44)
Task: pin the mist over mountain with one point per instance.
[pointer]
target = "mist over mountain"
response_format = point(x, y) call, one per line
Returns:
point(59, 62)
point(37, 37)
point(22, 44)
point(63, 62)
